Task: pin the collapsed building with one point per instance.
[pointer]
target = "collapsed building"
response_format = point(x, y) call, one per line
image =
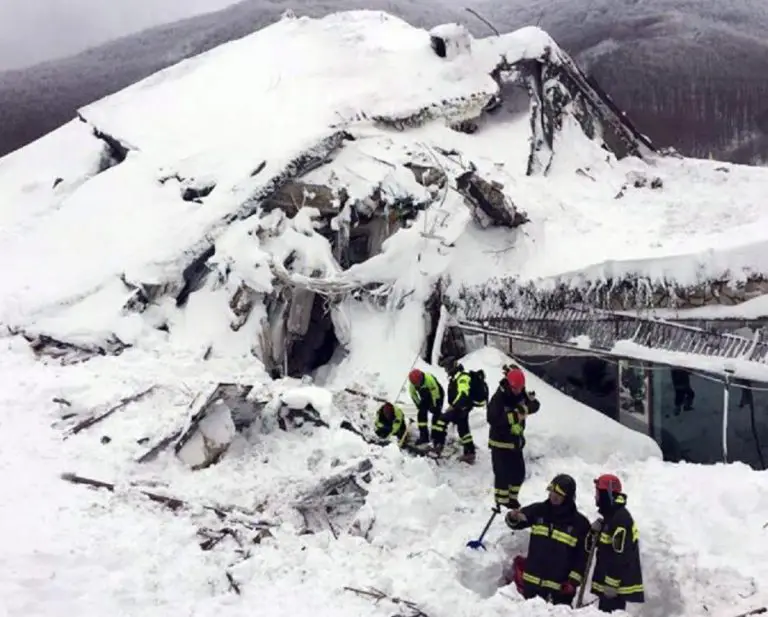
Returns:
point(288, 302)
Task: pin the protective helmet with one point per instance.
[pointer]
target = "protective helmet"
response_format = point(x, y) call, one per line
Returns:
point(608, 483)
point(564, 485)
point(416, 377)
point(516, 379)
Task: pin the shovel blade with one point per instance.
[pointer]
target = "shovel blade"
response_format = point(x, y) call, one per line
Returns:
point(476, 544)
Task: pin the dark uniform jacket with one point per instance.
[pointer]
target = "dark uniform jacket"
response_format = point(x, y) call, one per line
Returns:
point(395, 427)
point(506, 416)
point(617, 561)
point(557, 549)
point(465, 390)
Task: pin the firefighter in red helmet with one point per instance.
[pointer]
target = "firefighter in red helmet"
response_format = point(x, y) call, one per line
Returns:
point(507, 411)
point(618, 576)
point(428, 396)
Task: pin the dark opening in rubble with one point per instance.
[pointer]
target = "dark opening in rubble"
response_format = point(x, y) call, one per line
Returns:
point(196, 193)
point(453, 344)
point(308, 352)
point(194, 275)
point(438, 45)
point(114, 153)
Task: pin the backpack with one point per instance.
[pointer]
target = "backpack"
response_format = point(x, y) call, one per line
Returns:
point(478, 389)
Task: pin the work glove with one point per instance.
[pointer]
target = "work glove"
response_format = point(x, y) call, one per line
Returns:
point(610, 592)
point(513, 518)
point(568, 588)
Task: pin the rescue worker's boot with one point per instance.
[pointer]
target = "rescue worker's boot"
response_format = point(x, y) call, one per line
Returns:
point(436, 450)
point(423, 443)
point(468, 457)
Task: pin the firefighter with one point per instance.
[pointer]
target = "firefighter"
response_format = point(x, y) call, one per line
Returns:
point(508, 408)
point(618, 576)
point(428, 395)
point(466, 390)
point(390, 422)
point(557, 549)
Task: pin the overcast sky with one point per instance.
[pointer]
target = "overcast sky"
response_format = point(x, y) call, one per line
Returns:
point(35, 30)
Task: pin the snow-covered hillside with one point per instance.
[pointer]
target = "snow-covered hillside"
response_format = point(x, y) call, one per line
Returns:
point(233, 220)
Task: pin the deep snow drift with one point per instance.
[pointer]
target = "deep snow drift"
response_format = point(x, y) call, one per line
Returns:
point(75, 551)
point(215, 222)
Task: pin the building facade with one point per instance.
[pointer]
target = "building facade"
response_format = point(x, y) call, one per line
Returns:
point(681, 409)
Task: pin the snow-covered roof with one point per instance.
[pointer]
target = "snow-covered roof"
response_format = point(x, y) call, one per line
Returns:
point(351, 102)
point(271, 96)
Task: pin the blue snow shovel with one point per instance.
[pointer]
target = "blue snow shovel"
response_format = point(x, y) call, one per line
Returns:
point(475, 544)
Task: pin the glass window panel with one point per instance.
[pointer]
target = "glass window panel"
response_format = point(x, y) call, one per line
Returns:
point(748, 423)
point(688, 415)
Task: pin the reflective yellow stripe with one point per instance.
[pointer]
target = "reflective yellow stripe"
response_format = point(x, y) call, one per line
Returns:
point(535, 580)
point(514, 490)
point(575, 576)
point(422, 424)
point(613, 582)
point(531, 579)
point(466, 439)
point(605, 538)
point(501, 491)
point(563, 537)
point(462, 387)
point(622, 591)
point(625, 591)
point(558, 536)
point(617, 541)
point(556, 489)
point(501, 444)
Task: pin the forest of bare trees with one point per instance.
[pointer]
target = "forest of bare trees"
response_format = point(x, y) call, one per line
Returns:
point(699, 109)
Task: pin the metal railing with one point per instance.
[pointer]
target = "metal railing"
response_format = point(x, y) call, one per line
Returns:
point(604, 329)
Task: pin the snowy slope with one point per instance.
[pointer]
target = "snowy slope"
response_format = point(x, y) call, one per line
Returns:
point(146, 561)
point(111, 253)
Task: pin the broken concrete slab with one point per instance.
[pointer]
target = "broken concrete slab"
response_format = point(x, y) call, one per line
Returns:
point(489, 199)
point(211, 438)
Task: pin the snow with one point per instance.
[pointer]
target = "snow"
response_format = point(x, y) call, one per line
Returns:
point(298, 398)
point(215, 432)
point(197, 123)
point(367, 53)
point(27, 176)
point(703, 223)
point(145, 557)
point(756, 308)
point(78, 251)
point(743, 369)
